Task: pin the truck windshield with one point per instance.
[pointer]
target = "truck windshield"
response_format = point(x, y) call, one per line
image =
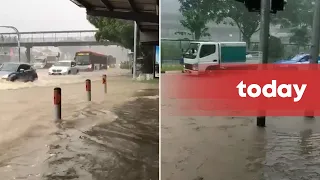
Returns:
point(39, 61)
point(192, 51)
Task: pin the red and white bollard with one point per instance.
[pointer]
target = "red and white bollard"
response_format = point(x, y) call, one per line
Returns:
point(88, 89)
point(57, 103)
point(104, 82)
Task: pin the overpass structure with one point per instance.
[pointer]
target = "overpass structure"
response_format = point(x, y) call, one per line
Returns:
point(51, 38)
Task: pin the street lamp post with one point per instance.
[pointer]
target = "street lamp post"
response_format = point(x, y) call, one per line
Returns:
point(18, 34)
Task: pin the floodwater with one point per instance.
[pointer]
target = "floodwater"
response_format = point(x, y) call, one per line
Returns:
point(107, 138)
point(47, 80)
point(234, 148)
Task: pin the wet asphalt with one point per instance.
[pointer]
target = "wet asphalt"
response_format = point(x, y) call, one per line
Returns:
point(234, 148)
point(127, 148)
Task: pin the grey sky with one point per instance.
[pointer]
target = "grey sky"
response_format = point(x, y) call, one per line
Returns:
point(43, 15)
point(170, 6)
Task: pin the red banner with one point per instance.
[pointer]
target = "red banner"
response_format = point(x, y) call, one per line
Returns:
point(252, 90)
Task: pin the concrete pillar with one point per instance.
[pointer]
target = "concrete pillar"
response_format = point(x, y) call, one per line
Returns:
point(148, 59)
point(28, 54)
point(136, 42)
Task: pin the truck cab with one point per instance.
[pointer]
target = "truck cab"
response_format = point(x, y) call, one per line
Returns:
point(39, 62)
point(201, 57)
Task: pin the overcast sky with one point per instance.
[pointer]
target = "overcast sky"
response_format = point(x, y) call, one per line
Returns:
point(170, 6)
point(43, 15)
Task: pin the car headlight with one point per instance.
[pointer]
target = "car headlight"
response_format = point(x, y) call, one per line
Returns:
point(5, 76)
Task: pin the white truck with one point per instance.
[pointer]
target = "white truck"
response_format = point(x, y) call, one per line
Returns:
point(39, 62)
point(202, 57)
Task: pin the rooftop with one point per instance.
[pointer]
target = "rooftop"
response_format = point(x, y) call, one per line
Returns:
point(144, 12)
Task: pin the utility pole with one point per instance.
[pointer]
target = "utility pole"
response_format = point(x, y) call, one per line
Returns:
point(315, 39)
point(315, 34)
point(264, 43)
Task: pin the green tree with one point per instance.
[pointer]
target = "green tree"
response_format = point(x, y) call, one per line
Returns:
point(197, 14)
point(300, 36)
point(297, 13)
point(235, 13)
point(276, 48)
point(298, 18)
point(115, 30)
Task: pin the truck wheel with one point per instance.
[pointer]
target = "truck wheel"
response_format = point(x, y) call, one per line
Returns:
point(211, 69)
point(69, 72)
point(208, 71)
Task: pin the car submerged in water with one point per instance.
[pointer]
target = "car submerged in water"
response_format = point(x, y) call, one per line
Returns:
point(11, 71)
point(298, 59)
point(63, 67)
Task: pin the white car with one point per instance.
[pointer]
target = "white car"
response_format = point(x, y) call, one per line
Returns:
point(63, 67)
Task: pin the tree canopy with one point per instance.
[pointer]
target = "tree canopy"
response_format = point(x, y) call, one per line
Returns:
point(198, 13)
point(236, 14)
point(115, 30)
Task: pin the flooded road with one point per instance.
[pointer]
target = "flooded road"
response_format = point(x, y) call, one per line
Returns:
point(50, 80)
point(226, 148)
point(105, 138)
point(234, 148)
point(125, 149)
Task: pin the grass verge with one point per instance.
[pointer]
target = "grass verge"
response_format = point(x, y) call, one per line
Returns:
point(175, 67)
point(152, 81)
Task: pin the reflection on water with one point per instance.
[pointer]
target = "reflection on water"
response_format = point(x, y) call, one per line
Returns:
point(257, 154)
point(285, 155)
point(94, 142)
point(236, 149)
point(293, 156)
point(305, 143)
point(126, 148)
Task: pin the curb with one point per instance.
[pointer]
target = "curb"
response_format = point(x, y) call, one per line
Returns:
point(172, 72)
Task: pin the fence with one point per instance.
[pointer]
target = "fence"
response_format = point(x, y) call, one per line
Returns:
point(254, 57)
point(171, 50)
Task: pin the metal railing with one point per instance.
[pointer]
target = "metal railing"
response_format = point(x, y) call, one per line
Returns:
point(49, 36)
point(254, 57)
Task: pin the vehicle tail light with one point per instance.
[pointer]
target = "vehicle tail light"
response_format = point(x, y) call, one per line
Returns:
point(90, 66)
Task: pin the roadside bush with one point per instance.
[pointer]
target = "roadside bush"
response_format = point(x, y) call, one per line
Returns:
point(276, 48)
